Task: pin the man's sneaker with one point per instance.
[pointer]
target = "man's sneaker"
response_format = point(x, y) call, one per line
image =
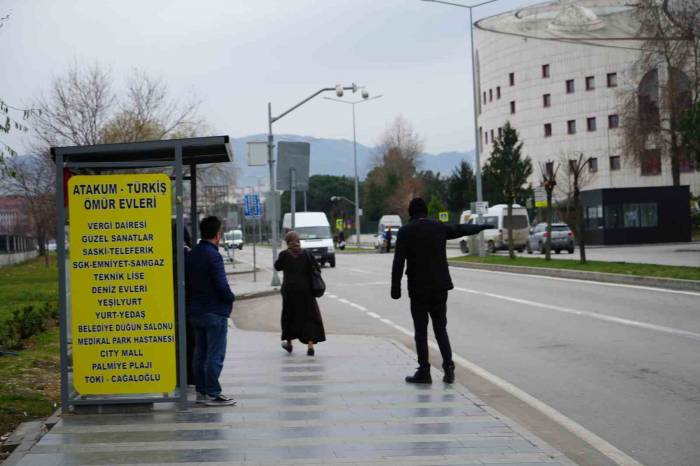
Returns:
point(220, 400)
point(202, 398)
point(421, 376)
point(449, 374)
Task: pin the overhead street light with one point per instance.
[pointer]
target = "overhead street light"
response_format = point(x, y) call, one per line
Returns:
point(341, 198)
point(366, 98)
point(477, 138)
point(339, 90)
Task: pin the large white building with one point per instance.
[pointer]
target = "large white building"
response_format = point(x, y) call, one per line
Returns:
point(558, 71)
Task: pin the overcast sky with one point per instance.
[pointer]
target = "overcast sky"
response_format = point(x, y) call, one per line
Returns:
point(236, 55)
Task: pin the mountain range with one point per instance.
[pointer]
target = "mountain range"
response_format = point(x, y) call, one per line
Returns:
point(334, 157)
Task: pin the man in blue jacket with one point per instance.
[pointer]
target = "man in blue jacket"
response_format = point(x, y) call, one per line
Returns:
point(209, 304)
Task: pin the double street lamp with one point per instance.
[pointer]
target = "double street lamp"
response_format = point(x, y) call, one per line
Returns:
point(366, 98)
point(477, 138)
point(339, 90)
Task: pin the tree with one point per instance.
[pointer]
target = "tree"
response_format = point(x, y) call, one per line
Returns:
point(393, 180)
point(318, 197)
point(689, 128)
point(435, 206)
point(34, 182)
point(433, 186)
point(461, 187)
point(576, 177)
point(549, 181)
point(668, 69)
point(510, 169)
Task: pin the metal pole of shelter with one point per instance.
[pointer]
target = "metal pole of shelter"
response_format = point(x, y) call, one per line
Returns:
point(193, 205)
point(293, 194)
point(357, 183)
point(62, 295)
point(181, 327)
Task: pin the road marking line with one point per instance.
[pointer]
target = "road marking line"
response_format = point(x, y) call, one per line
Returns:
point(356, 270)
point(344, 301)
point(589, 282)
point(331, 295)
point(593, 315)
point(372, 314)
point(357, 306)
point(363, 284)
point(616, 455)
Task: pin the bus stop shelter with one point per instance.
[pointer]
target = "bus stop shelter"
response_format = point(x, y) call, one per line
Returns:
point(103, 190)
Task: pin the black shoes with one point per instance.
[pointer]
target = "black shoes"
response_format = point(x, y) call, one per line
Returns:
point(310, 352)
point(421, 376)
point(287, 345)
point(449, 374)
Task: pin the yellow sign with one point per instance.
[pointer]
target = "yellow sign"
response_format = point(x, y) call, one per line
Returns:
point(338, 223)
point(121, 284)
point(443, 216)
point(541, 203)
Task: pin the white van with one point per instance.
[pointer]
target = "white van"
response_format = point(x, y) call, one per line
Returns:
point(315, 234)
point(497, 216)
point(233, 239)
point(386, 221)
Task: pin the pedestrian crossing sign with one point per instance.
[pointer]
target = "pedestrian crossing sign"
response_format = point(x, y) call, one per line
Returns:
point(444, 216)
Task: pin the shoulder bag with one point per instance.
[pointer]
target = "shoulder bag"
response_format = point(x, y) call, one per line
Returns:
point(318, 286)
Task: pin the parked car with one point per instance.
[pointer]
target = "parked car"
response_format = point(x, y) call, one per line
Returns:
point(233, 239)
point(386, 221)
point(562, 238)
point(466, 217)
point(314, 234)
point(497, 238)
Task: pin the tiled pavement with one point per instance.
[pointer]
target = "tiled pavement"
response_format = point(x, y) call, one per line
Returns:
point(348, 405)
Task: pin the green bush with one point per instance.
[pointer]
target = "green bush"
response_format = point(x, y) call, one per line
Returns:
point(24, 323)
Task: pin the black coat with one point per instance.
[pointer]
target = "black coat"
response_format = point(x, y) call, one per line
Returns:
point(421, 245)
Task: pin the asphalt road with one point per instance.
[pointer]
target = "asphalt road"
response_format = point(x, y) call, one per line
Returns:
point(621, 361)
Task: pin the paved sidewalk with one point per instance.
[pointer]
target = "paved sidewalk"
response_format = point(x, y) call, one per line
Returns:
point(348, 405)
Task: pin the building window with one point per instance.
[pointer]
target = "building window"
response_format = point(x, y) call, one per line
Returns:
point(545, 71)
point(570, 86)
point(613, 121)
point(547, 100)
point(512, 106)
point(500, 133)
point(651, 163)
point(590, 83)
point(590, 124)
point(648, 215)
point(593, 216)
point(498, 92)
point(571, 127)
point(593, 165)
point(630, 215)
point(511, 79)
point(612, 79)
point(492, 138)
point(613, 216)
point(549, 168)
point(481, 132)
point(486, 137)
point(614, 162)
point(484, 97)
point(547, 130)
point(490, 95)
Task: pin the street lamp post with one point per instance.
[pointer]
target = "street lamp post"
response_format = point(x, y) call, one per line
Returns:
point(354, 158)
point(338, 89)
point(477, 138)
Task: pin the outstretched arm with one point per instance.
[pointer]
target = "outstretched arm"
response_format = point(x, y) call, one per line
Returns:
point(457, 231)
point(397, 267)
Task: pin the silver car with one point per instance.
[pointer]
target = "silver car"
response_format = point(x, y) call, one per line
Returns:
point(562, 238)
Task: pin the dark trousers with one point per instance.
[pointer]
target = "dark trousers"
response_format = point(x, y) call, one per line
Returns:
point(209, 352)
point(431, 305)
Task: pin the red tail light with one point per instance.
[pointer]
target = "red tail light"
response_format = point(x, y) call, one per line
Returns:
point(571, 234)
point(546, 234)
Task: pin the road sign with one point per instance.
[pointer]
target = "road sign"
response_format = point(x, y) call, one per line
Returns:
point(443, 216)
point(540, 197)
point(121, 284)
point(251, 206)
point(481, 207)
point(257, 154)
point(338, 223)
point(293, 156)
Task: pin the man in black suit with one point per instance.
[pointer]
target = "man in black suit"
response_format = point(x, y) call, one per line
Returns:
point(421, 244)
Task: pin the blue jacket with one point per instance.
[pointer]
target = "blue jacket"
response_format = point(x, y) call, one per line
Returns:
point(207, 287)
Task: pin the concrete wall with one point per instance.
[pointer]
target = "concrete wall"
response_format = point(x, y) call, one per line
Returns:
point(17, 257)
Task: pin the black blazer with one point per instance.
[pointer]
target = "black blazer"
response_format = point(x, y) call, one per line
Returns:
point(421, 245)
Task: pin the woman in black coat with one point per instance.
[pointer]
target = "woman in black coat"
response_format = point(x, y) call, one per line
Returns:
point(301, 317)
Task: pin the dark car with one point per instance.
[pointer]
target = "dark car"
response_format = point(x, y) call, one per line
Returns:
point(562, 238)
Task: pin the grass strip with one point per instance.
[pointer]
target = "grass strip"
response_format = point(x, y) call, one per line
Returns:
point(626, 268)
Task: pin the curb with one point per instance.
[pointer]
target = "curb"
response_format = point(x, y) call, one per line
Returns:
point(257, 294)
point(31, 437)
point(622, 279)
